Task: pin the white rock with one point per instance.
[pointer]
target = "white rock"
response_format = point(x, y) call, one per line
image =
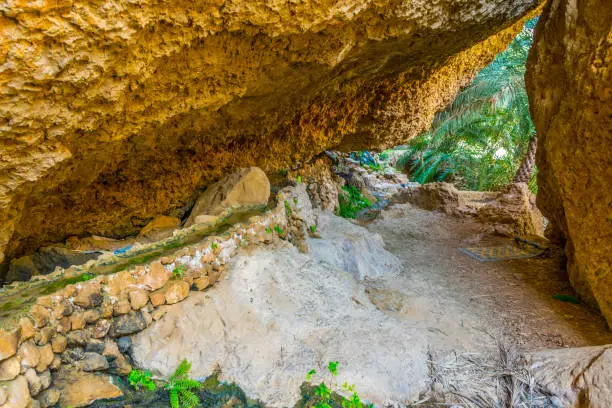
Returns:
point(278, 315)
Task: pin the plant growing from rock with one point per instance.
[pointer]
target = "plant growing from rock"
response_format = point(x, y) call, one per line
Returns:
point(327, 397)
point(278, 230)
point(214, 246)
point(350, 202)
point(288, 209)
point(179, 272)
point(141, 379)
point(181, 388)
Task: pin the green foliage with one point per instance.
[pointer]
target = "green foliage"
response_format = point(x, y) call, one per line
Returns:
point(288, 209)
point(313, 228)
point(350, 202)
point(214, 246)
point(333, 367)
point(181, 388)
point(268, 230)
point(179, 272)
point(326, 397)
point(283, 172)
point(478, 142)
point(299, 179)
point(278, 229)
point(141, 379)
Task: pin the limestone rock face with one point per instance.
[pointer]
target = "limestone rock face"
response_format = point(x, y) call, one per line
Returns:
point(111, 113)
point(568, 82)
point(577, 377)
point(243, 187)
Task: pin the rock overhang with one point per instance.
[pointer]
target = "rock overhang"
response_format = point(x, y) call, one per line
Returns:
point(115, 113)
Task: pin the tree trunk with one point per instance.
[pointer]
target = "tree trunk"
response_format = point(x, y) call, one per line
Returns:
point(525, 170)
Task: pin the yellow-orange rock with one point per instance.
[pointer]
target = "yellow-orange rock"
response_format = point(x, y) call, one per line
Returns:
point(569, 85)
point(112, 114)
point(159, 228)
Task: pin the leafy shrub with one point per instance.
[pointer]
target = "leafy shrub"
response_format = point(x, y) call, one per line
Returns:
point(141, 379)
point(181, 388)
point(350, 202)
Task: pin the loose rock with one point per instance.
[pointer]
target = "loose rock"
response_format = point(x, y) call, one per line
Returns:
point(9, 340)
point(10, 368)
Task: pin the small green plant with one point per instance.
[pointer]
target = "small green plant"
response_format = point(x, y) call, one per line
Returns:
point(325, 393)
point(313, 228)
point(295, 200)
point(214, 246)
point(283, 172)
point(181, 388)
point(179, 272)
point(288, 209)
point(278, 229)
point(268, 230)
point(351, 202)
point(299, 179)
point(141, 379)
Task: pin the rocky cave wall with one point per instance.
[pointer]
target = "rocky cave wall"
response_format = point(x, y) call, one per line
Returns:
point(114, 112)
point(570, 89)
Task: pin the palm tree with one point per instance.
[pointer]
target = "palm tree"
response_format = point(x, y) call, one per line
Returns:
point(525, 170)
point(479, 140)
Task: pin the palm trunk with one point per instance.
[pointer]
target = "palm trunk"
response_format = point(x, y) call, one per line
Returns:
point(525, 170)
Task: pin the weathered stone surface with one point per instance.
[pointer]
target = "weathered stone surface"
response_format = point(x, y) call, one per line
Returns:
point(17, 393)
point(27, 329)
point(351, 248)
point(577, 377)
point(155, 277)
point(88, 295)
point(46, 358)
point(239, 84)
point(293, 305)
point(127, 324)
point(175, 291)
point(121, 307)
point(9, 340)
point(244, 187)
point(44, 261)
point(29, 354)
point(40, 314)
point(138, 298)
point(568, 82)
point(10, 368)
point(93, 362)
point(59, 343)
point(159, 228)
point(81, 389)
point(49, 398)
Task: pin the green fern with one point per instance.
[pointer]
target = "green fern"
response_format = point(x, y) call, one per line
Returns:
point(181, 388)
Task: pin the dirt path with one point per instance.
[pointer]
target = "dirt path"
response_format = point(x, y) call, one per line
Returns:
point(464, 302)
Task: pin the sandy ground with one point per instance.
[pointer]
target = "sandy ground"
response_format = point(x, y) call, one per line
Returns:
point(465, 303)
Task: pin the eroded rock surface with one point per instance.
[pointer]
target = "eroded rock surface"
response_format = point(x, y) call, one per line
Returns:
point(568, 82)
point(112, 113)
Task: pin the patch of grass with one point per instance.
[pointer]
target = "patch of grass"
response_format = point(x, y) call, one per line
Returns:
point(313, 228)
point(278, 229)
point(288, 209)
point(268, 230)
point(283, 172)
point(350, 202)
point(59, 284)
point(214, 246)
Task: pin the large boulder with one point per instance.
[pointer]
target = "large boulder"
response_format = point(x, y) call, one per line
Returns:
point(568, 82)
point(576, 377)
point(112, 113)
point(244, 187)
